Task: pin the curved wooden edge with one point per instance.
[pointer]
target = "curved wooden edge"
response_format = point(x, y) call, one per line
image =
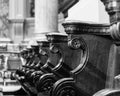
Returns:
point(61, 69)
point(46, 82)
point(115, 31)
point(84, 59)
point(60, 83)
point(108, 92)
point(45, 76)
point(26, 86)
point(67, 87)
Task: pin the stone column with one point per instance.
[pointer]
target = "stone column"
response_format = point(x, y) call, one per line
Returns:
point(17, 13)
point(29, 29)
point(46, 17)
point(61, 19)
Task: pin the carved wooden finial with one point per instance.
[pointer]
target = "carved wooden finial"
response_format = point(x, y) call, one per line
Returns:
point(113, 9)
point(115, 31)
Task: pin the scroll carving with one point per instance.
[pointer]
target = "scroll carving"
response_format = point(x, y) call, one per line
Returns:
point(79, 43)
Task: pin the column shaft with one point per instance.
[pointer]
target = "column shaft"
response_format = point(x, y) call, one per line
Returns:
point(17, 14)
point(46, 17)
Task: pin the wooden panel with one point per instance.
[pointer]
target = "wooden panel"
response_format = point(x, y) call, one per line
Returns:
point(97, 37)
point(93, 76)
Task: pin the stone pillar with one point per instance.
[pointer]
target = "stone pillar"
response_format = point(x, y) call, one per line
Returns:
point(46, 17)
point(61, 19)
point(17, 13)
point(29, 29)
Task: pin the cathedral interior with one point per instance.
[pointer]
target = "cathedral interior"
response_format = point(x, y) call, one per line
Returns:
point(59, 48)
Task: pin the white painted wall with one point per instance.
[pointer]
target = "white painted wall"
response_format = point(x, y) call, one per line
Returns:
point(89, 10)
point(103, 15)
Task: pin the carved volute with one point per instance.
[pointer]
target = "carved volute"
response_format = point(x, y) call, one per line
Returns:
point(97, 63)
point(43, 50)
point(56, 40)
point(53, 69)
point(22, 75)
point(59, 45)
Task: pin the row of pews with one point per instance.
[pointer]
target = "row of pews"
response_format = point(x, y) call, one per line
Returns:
point(85, 62)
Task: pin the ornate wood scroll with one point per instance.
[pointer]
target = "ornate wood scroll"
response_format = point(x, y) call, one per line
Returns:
point(95, 41)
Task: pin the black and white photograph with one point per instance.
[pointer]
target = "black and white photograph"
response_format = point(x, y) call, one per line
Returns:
point(59, 47)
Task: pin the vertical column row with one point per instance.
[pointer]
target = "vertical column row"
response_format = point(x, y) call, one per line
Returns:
point(17, 13)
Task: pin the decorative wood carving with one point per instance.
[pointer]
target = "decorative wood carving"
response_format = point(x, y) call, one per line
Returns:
point(59, 70)
point(56, 37)
point(76, 27)
point(45, 83)
point(113, 9)
point(62, 85)
point(92, 37)
point(108, 92)
point(115, 31)
point(23, 75)
point(75, 44)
